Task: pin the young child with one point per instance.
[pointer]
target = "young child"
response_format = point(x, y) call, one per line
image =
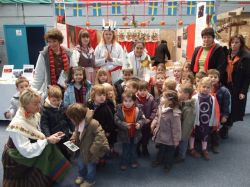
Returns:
point(205, 119)
point(103, 113)
point(91, 139)
point(132, 85)
point(127, 74)
point(187, 77)
point(166, 128)
point(177, 69)
point(198, 77)
point(79, 87)
point(110, 92)
point(129, 120)
point(102, 76)
point(53, 118)
point(156, 89)
point(224, 100)
point(187, 105)
point(160, 68)
point(187, 67)
point(21, 84)
point(149, 108)
point(169, 84)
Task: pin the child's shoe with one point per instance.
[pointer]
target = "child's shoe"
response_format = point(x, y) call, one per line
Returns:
point(123, 167)
point(79, 180)
point(194, 153)
point(86, 184)
point(205, 155)
point(135, 165)
point(215, 149)
point(178, 159)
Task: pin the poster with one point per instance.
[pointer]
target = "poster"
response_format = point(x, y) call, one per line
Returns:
point(28, 71)
point(200, 22)
point(7, 72)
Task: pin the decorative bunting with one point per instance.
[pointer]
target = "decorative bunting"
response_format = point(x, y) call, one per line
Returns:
point(60, 10)
point(116, 8)
point(172, 8)
point(210, 8)
point(97, 11)
point(77, 9)
point(152, 8)
point(191, 8)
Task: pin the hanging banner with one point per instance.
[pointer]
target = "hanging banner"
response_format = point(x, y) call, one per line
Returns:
point(146, 35)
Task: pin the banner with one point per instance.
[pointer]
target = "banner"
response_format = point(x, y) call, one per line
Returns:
point(200, 22)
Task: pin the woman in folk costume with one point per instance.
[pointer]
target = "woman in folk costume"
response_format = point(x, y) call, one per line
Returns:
point(83, 55)
point(29, 158)
point(52, 61)
point(109, 53)
point(139, 59)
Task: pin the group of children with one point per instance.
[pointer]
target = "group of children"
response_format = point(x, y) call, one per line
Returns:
point(174, 109)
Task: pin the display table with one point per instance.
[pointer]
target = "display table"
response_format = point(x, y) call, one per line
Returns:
point(7, 90)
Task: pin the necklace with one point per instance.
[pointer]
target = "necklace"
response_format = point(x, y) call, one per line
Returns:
point(137, 64)
point(110, 51)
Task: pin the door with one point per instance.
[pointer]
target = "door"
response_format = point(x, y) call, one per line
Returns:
point(35, 39)
point(16, 45)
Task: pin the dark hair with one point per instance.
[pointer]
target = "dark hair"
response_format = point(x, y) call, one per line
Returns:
point(171, 96)
point(161, 65)
point(241, 38)
point(142, 85)
point(200, 74)
point(187, 88)
point(213, 72)
point(71, 74)
point(128, 94)
point(208, 32)
point(189, 75)
point(55, 34)
point(163, 41)
point(76, 112)
point(138, 42)
point(83, 34)
point(133, 83)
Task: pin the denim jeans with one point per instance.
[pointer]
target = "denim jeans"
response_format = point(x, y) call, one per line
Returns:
point(87, 171)
point(128, 153)
point(183, 148)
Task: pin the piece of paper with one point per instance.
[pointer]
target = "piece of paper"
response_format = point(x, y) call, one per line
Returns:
point(7, 72)
point(62, 79)
point(71, 146)
point(28, 71)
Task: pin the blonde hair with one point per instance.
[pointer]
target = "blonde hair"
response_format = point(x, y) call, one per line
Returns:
point(98, 88)
point(113, 39)
point(76, 112)
point(55, 91)
point(21, 80)
point(205, 81)
point(27, 96)
point(102, 72)
point(108, 87)
point(169, 84)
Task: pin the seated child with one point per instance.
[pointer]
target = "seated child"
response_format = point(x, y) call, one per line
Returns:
point(102, 76)
point(93, 145)
point(129, 120)
point(54, 120)
point(132, 85)
point(21, 84)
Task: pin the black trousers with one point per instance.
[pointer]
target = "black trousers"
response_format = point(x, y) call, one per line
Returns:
point(166, 154)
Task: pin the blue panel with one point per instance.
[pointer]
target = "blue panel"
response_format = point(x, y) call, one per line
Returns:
point(16, 44)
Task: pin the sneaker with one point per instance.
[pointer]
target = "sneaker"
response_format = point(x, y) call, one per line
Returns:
point(79, 180)
point(194, 153)
point(205, 155)
point(134, 165)
point(215, 149)
point(123, 167)
point(87, 184)
point(178, 159)
point(155, 164)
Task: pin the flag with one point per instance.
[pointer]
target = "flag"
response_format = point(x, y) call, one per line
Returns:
point(210, 8)
point(213, 20)
point(60, 11)
point(97, 11)
point(191, 8)
point(116, 8)
point(172, 8)
point(77, 9)
point(134, 2)
point(152, 8)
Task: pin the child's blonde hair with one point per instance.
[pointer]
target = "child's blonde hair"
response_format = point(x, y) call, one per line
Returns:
point(169, 84)
point(97, 89)
point(76, 112)
point(213, 72)
point(21, 80)
point(55, 91)
point(177, 66)
point(205, 81)
point(108, 87)
point(133, 83)
point(27, 96)
point(102, 72)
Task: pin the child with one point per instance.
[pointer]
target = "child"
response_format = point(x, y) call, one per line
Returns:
point(166, 128)
point(92, 142)
point(161, 68)
point(21, 84)
point(177, 68)
point(198, 77)
point(120, 84)
point(110, 92)
point(224, 100)
point(103, 113)
point(187, 67)
point(78, 88)
point(132, 85)
point(169, 84)
point(205, 118)
point(129, 120)
point(53, 118)
point(187, 77)
point(156, 89)
point(149, 108)
point(187, 118)
point(102, 76)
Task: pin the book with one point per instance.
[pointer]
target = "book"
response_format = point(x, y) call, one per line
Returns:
point(71, 146)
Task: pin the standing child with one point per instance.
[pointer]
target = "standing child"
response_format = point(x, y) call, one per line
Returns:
point(149, 108)
point(54, 120)
point(166, 128)
point(92, 142)
point(187, 118)
point(157, 88)
point(205, 118)
point(177, 69)
point(129, 120)
point(21, 84)
point(132, 86)
point(224, 100)
point(186, 77)
point(169, 84)
point(102, 76)
point(187, 67)
point(79, 87)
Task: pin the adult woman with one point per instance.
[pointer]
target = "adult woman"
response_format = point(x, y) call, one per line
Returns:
point(238, 76)
point(210, 55)
point(161, 52)
point(29, 158)
point(139, 59)
point(51, 61)
point(108, 53)
point(83, 55)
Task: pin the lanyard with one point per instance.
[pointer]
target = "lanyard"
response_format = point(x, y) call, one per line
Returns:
point(108, 49)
